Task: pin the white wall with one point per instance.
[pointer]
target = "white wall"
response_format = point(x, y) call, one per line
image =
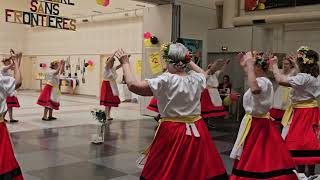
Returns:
point(196, 20)
point(300, 34)
point(93, 38)
point(11, 35)
point(236, 39)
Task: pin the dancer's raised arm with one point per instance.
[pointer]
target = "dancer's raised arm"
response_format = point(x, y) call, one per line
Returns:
point(280, 78)
point(136, 86)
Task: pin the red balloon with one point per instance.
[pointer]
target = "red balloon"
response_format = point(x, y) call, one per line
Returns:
point(147, 35)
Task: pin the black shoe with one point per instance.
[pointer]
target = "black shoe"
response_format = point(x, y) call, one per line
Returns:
point(14, 121)
point(45, 119)
point(5, 120)
point(52, 118)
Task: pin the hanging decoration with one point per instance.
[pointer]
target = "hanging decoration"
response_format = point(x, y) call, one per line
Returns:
point(147, 35)
point(154, 40)
point(90, 62)
point(147, 43)
point(104, 3)
point(43, 13)
point(43, 65)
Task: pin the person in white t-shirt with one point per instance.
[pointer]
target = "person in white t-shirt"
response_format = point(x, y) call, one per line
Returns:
point(182, 148)
point(9, 167)
point(303, 113)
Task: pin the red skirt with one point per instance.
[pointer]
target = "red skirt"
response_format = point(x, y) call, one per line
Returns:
point(265, 155)
point(174, 155)
point(9, 167)
point(301, 139)
point(45, 98)
point(12, 101)
point(208, 110)
point(277, 115)
point(153, 105)
point(106, 97)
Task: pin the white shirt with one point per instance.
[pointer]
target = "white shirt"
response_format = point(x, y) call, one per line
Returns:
point(178, 95)
point(279, 99)
point(212, 80)
point(7, 88)
point(5, 73)
point(52, 78)
point(110, 74)
point(259, 104)
point(305, 87)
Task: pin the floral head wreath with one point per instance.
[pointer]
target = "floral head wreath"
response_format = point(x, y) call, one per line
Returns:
point(302, 53)
point(165, 48)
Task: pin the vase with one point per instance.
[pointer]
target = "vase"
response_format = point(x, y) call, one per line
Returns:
point(99, 137)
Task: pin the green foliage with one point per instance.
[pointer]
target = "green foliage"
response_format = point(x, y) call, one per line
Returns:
point(100, 116)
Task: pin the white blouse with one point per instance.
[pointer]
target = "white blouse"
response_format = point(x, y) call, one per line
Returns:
point(7, 88)
point(212, 80)
point(52, 78)
point(178, 95)
point(259, 104)
point(281, 99)
point(305, 87)
point(110, 74)
point(5, 73)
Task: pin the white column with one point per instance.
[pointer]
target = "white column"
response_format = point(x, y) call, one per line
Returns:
point(230, 10)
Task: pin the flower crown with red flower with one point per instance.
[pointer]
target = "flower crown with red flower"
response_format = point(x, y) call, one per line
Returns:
point(165, 48)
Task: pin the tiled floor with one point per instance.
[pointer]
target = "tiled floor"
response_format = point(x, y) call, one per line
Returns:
point(61, 150)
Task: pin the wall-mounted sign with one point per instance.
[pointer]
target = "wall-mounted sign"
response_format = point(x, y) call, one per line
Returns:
point(43, 13)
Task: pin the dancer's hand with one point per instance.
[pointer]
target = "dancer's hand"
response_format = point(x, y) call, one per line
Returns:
point(274, 60)
point(10, 66)
point(122, 56)
point(246, 59)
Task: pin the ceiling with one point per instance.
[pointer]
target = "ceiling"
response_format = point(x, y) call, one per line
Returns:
point(85, 8)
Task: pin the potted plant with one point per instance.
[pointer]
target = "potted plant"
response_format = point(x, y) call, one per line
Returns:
point(101, 117)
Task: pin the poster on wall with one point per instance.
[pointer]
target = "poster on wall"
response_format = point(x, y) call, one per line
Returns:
point(155, 63)
point(253, 5)
point(195, 47)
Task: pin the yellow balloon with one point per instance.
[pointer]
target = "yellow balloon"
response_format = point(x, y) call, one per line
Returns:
point(100, 2)
point(147, 43)
point(90, 68)
point(227, 101)
point(261, 6)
